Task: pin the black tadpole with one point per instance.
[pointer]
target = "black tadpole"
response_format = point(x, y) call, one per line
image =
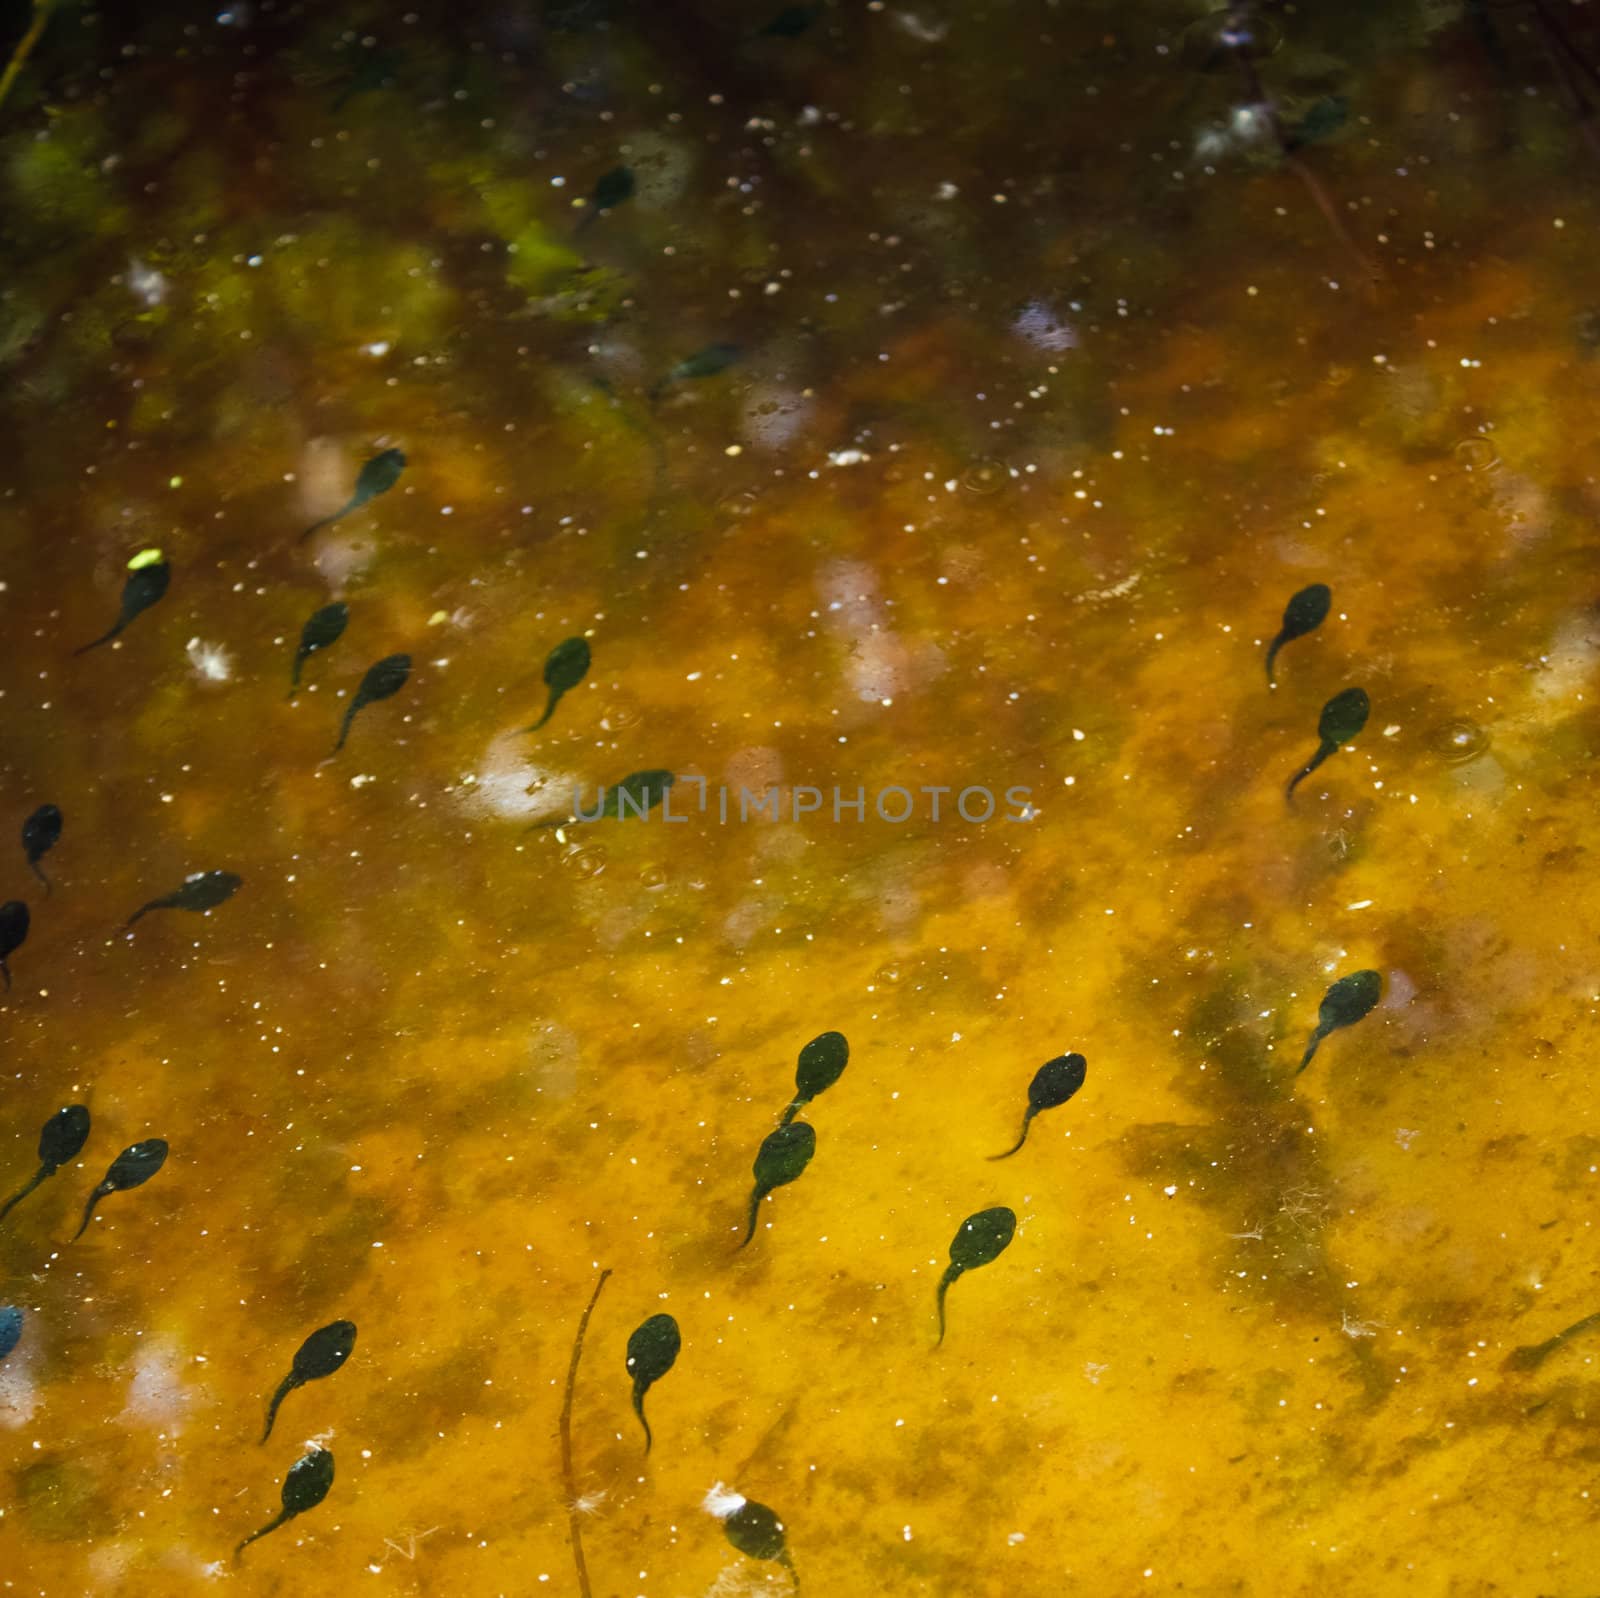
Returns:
point(148, 576)
point(40, 833)
point(652, 1352)
point(1349, 1000)
point(14, 921)
point(304, 1488)
point(757, 1532)
point(821, 1064)
point(983, 1238)
point(203, 891)
point(1304, 613)
point(380, 681)
point(1342, 719)
point(323, 627)
point(322, 1353)
point(564, 668)
point(378, 476)
point(133, 1167)
point(1053, 1084)
point(783, 1155)
point(60, 1140)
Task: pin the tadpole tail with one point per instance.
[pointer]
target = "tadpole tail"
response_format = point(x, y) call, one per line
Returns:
point(272, 1525)
point(22, 1192)
point(1272, 655)
point(5, 971)
point(755, 1205)
point(1312, 1047)
point(104, 638)
point(638, 1409)
point(795, 1107)
point(294, 676)
point(285, 1387)
point(952, 1271)
point(788, 1564)
point(549, 711)
point(1022, 1137)
point(327, 521)
point(1323, 751)
point(88, 1210)
point(37, 870)
point(344, 731)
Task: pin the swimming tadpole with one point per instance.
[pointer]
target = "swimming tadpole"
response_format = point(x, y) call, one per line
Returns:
point(148, 576)
point(132, 1168)
point(783, 1155)
point(822, 1063)
point(323, 627)
point(60, 1139)
point(791, 22)
point(1304, 613)
point(14, 920)
point(983, 1238)
point(611, 189)
point(707, 362)
point(652, 1352)
point(40, 834)
point(564, 668)
point(205, 890)
point(306, 1485)
point(322, 1353)
point(380, 682)
point(1349, 1000)
point(757, 1533)
point(1053, 1084)
point(636, 795)
point(1342, 719)
point(378, 476)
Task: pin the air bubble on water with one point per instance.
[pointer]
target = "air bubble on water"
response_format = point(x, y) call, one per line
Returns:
point(985, 476)
point(1458, 741)
point(1476, 454)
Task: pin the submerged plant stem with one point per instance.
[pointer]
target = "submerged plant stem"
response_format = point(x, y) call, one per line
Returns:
point(574, 1516)
point(19, 56)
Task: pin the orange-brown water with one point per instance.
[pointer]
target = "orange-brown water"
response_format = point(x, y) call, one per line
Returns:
point(1036, 425)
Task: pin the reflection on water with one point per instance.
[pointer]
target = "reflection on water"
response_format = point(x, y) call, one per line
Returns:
point(833, 477)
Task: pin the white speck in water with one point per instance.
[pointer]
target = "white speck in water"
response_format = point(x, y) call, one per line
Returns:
point(211, 662)
point(722, 1501)
point(147, 283)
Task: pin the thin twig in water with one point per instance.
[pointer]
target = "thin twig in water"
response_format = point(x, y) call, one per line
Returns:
point(574, 1514)
point(19, 56)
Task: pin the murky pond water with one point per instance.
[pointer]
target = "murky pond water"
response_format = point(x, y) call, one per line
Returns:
point(788, 510)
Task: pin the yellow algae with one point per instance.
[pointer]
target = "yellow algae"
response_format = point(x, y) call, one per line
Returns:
point(1073, 398)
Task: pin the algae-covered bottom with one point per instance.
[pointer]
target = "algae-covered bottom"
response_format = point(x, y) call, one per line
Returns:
point(711, 614)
